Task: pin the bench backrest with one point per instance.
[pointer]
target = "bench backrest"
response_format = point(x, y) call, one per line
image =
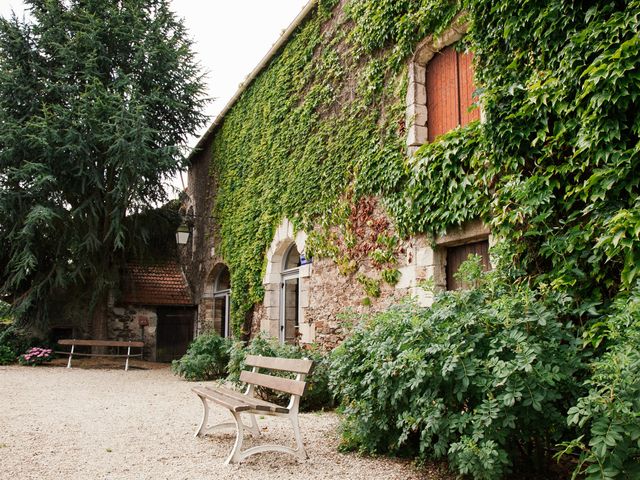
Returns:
point(99, 343)
point(291, 386)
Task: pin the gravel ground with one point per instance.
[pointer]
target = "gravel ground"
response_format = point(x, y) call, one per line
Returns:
point(90, 422)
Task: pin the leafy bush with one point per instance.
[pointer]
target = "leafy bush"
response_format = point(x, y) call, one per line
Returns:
point(5, 315)
point(482, 377)
point(7, 355)
point(609, 415)
point(13, 342)
point(317, 394)
point(36, 356)
point(206, 358)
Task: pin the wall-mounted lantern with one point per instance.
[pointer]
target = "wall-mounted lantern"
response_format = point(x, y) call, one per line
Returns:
point(182, 234)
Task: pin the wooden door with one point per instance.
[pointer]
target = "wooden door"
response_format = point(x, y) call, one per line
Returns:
point(174, 332)
point(459, 254)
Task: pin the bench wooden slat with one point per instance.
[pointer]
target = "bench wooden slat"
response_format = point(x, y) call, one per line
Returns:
point(256, 403)
point(119, 355)
point(226, 401)
point(293, 387)
point(282, 364)
point(99, 343)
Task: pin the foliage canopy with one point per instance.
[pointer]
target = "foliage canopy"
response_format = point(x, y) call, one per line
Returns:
point(97, 100)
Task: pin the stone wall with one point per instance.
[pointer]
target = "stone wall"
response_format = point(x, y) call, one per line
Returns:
point(124, 324)
point(332, 294)
point(326, 294)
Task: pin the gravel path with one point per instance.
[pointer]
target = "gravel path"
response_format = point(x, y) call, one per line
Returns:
point(91, 423)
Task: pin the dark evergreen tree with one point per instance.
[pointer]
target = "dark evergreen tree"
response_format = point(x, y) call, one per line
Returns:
point(97, 101)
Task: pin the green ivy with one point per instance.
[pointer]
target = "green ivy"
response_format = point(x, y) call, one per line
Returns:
point(553, 167)
point(286, 150)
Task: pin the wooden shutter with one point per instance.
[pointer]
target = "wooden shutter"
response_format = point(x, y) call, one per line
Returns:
point(459, 254)
point(442, 93)
point(449, 88)
point(465, 71)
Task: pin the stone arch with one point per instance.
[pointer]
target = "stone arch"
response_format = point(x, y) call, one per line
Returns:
point(273, 282)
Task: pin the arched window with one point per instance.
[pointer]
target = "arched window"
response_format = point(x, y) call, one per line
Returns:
point(290, 296)
point(221, 305)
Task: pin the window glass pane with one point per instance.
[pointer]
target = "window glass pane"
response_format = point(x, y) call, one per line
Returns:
point(290, 311)
point(293, 258)
point(223, 281)
point(220, 319)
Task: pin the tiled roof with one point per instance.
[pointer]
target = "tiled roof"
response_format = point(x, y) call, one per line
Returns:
point(155, 284)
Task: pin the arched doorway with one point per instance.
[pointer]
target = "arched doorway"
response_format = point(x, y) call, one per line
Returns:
point(287, 287)
point(290, 296)
point(221, 301)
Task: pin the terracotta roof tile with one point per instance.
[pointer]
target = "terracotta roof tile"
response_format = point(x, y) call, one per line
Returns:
point(155, 284)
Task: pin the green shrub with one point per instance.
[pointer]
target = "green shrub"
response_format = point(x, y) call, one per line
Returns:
point(13, 342)
point(317, 394)
point(7, 355)
point(206, 358)
point(482, 377)
point(608, 416)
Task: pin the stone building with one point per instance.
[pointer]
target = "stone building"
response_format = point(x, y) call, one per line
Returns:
point(304, 297)
point(153, 304)
point(156, 307)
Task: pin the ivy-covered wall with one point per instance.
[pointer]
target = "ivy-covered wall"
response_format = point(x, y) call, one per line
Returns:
point(553, 167)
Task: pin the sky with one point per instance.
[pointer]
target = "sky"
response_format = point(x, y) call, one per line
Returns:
point(231, 37)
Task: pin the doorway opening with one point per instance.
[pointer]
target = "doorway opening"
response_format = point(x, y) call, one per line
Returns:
point(290, 296)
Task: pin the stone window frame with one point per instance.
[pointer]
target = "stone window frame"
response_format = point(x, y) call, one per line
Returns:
point(416, 112)
point(427, 259)
point(283, 239)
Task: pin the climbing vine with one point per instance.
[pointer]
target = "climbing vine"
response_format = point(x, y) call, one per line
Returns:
point(552, 166)
point(319, 138)
point(316, 131)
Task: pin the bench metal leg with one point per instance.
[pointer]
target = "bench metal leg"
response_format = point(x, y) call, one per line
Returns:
point(300, 451)
point(254, 429)
point(126, 364)
point(235, 456)
point(203, 429)
point(205, 417)
point(70, 355)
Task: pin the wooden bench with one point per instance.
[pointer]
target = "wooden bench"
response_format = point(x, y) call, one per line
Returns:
point(101, 343)
point(246, 403)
